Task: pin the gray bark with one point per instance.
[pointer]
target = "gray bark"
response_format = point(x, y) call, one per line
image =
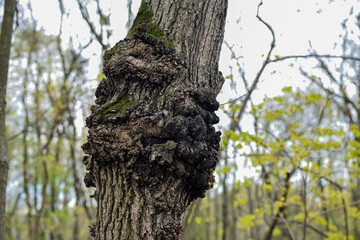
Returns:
point(151, 148)
point(5, 45)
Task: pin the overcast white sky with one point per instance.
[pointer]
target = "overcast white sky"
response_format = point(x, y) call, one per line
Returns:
point(295, 23)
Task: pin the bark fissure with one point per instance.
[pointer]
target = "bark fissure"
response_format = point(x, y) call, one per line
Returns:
point(151, 148)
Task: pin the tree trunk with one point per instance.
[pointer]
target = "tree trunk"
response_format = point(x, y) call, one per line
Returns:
point(5, 45)
point(151, 147)
point(251, 210)
point(189, 223)
point(208, 218)
point(235, 210)
point(225, 199)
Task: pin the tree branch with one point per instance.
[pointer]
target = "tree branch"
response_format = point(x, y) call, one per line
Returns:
point(259, 74)
point(278, 59)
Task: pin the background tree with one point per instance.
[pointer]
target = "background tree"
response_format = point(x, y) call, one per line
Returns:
point(5, 46)
point(45, 165)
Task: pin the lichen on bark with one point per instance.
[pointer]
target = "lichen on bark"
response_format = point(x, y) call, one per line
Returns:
point(151, 148)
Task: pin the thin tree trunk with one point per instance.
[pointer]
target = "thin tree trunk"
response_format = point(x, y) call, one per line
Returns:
point(208, 219)
point(281, 209)
point(355, 196)
point(225, 200)
point(217, 214)
point(235, 212)
point(251, 210)
point(72, 144)
point(12, 219)
point(42, 152)
point(66, 99)
point(56, 234)
point(25, 152)
point(152, 148)
point(5, 46)
point(355, 193)
point(189, 223)
point(258, 228)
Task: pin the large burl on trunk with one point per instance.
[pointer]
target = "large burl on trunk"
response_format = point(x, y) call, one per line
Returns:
point(151, 148)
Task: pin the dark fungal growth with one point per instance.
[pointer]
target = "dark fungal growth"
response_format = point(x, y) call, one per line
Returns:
point(144, 119)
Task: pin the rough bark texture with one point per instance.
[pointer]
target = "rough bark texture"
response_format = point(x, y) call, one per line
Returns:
point(5, 45)
point(151, 148)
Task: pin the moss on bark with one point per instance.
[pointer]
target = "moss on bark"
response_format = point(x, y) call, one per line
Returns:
point(118, 107)
point(144, 19)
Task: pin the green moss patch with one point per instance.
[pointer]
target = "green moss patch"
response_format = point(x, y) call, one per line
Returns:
point(110, 52)
point(118, 107)
point(145, 16)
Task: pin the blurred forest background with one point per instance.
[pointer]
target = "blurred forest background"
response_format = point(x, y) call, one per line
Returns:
point(290, 163)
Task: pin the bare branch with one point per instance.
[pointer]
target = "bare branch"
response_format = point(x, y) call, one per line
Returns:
point(86, 17)
point(334, 209)
point(278, 59)
point(233, 125)
point(318, 231)
point(234, 100)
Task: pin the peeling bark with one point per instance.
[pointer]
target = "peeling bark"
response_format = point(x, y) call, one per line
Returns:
point(151, 148)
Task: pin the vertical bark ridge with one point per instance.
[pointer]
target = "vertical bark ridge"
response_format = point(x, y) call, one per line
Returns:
point(133, 211)
point(197, 30)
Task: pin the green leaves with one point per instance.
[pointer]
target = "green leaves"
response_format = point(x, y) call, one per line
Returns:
point(101, 76)
point(355, 130)
point(307, 160)
point(286, 89)
point(248, 221)
point(313, 98)
point(296, 133)
point(198, 220)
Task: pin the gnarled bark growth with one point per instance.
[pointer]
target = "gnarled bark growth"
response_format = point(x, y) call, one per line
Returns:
point(151, 148)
